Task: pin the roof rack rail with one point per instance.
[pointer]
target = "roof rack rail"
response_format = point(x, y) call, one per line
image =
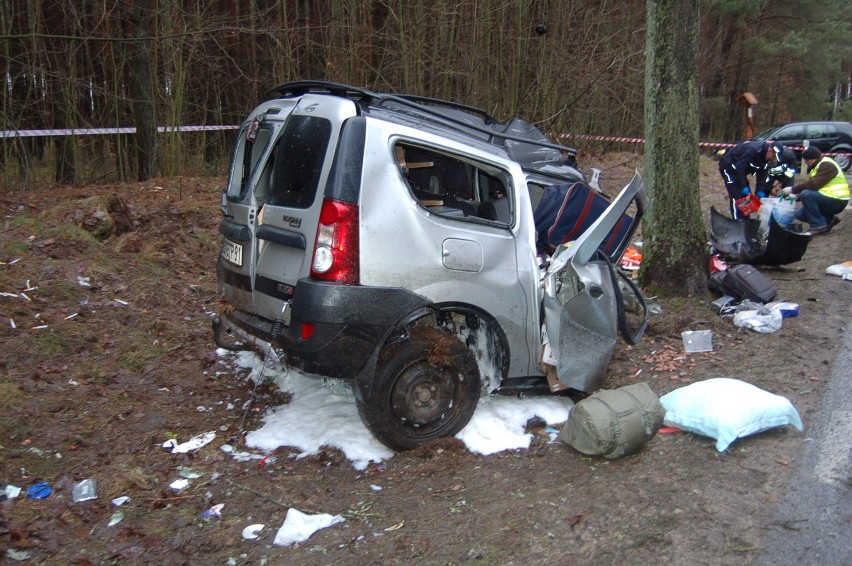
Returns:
point(417, 103)
point(488, 118)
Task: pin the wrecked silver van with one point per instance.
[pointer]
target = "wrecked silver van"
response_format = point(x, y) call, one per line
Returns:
point(391, 240)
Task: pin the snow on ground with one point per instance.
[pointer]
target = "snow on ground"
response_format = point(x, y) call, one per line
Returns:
point(319, 415)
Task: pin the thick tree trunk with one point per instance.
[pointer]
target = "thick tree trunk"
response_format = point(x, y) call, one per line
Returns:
point(675, 254)
point(141, 79)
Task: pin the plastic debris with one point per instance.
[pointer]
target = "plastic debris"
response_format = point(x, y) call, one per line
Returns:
point(632, 259)
point(697, 341)
point(299, 526)
point(763, 320)
point(19, 555)
point(9, 491)
point(84, 281)
point(40, 490)
point(116, 518)
point(193, 443)
point(189, 473)
point(119, 501)
point(787, 309)
point(839, 269)
point(84, 491)
point(252, 531)
point(215, 511)
point(180, 484)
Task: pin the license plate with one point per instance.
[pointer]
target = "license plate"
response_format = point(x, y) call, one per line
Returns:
point(233, 252)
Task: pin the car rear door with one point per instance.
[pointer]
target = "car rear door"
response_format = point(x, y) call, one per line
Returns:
point(244, 196)
point(295, 173)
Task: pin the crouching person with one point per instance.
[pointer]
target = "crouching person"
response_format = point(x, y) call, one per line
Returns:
point(824, 195)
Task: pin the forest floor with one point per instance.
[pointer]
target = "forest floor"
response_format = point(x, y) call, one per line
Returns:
point(106, 352)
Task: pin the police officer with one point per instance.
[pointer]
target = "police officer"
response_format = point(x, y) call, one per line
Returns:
point(748, 158)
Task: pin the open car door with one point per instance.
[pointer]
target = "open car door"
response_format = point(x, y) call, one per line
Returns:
point(585, 295)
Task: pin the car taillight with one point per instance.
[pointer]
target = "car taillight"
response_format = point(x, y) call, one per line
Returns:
point(336, 246)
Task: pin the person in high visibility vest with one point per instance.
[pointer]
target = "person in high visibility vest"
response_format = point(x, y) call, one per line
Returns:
point(824, 195)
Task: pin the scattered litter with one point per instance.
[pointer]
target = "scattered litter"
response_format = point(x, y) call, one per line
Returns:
point(396, 527)
point(697, 341)
point(189, 473)
point(839, 269)
point(83, 281)
point(39, 327)
point(786, 309)
point(193, 443)
point(70, 316)
point(84, 491)
point(119, 501)
point(763, 320)
point(632, 259)
point(73, 382)
point(116, 518)
point(179, 485)
point(376, 487)
point(14, 261)
point(12, 323)
point(669, 430)
point(299, 526)
point(9, 295)
point(120, 302)
point(41, 490)
point(25, 296)
point(9, 492)
point(847, 277)
point(252, 531)
point(19, 555)
point(215, 511)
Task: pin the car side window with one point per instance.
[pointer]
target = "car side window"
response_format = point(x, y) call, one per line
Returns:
point(455, 186)
point(247, 152)
point(818, 131)
point(791, 133)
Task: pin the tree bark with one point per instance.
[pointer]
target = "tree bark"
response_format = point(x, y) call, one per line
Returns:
point(141, 81)
point(675, 254)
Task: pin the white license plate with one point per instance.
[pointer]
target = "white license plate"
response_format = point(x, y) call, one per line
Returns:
point(233, 252)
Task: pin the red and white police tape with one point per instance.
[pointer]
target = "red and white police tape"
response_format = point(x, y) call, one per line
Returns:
point(98, 131)
point(165, 129)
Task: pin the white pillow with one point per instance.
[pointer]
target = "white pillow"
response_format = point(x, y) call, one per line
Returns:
point(725, 409)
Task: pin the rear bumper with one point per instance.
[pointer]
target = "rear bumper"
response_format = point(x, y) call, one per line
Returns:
point(348, 325)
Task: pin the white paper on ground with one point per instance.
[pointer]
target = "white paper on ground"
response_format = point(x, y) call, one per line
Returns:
point(299, 526)
point(193, 443)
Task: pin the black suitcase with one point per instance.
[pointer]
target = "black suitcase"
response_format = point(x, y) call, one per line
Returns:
point(744, 281)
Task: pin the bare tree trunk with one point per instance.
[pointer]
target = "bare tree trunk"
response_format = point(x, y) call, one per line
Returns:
point(675, 253)
point(141, 80)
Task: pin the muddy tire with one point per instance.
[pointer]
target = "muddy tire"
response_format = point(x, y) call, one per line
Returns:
point(426, 387)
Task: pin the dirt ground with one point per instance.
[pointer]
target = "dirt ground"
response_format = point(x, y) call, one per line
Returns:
point(106, 352)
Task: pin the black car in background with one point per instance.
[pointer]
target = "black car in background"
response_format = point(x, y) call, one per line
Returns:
point(829, 137)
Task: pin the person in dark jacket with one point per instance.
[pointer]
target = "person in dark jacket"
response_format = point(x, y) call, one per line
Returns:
point(824, 195)
point(783, 174)
point(748, 158)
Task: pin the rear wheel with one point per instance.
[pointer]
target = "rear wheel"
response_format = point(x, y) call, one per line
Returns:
point(844, 159)
point(426, 387)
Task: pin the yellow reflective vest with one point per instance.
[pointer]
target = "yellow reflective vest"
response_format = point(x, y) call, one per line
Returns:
point(838, 187)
